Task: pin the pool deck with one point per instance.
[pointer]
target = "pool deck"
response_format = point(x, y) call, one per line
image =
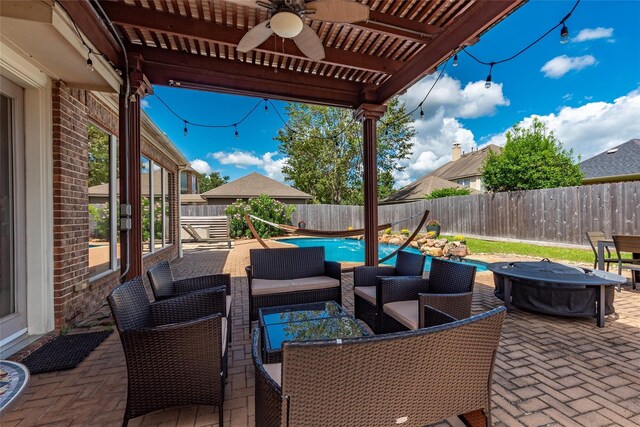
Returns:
point(550, 371)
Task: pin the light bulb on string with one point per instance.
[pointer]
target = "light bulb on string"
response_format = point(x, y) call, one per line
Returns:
point(564, 34)
point(487, 83)
point(266, 106)
point(186, 131)
point(89, 62)
point(421, 113)
point(455, 60)
point(236, 131)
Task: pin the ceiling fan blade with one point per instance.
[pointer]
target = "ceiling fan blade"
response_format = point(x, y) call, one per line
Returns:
point(309, 43)
point(340, 11)
point(255, 37)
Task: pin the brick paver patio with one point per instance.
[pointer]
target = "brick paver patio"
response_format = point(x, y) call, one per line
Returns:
point(549, 371)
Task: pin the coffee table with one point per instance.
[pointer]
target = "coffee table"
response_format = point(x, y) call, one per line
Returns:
point(303, 322)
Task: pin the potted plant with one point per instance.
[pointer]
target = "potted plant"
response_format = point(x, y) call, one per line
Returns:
point(434, 226)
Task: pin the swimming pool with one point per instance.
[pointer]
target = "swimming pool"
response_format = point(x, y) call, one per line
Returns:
point(352, 250)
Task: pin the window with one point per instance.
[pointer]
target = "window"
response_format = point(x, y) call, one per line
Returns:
point(184, 184)
point(103, 202)
point(464, 182)
point(157, 218)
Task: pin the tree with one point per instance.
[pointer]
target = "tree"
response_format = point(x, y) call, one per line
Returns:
point(98, 156)
point(532, 158)
point(213, 180)
point(323, 146)
point(447, 192)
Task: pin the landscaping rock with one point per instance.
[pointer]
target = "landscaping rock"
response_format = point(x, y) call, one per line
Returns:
point(439, 243)
point(430, 242)
point(395, 241)
point(414, 244)
point(435, 252)
point(458, 251)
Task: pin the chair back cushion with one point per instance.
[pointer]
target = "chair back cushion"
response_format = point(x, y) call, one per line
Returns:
point(422, 376)
point(161, 279)
point(287, 263)
point(409, 264)
point(130, 305)
point(447, 277)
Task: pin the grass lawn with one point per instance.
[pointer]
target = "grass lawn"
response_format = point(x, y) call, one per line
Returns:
point(478, 246)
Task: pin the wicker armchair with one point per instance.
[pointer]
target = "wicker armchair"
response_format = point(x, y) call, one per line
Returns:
point(291, 276)
point(449, 288)
point(413, 378)
point(164, 286)
point(364, 283)
point(175, 349)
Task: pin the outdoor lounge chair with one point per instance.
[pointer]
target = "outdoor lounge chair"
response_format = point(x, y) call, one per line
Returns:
point(594, 237)
point(291, 276)
point(449, 288)
point(364, 283)
point(175, 349)
point(164, 286)
point(628, 244)
point(411, 378)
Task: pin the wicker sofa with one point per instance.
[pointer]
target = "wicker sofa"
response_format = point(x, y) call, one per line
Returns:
point(413, 378)
point(176, 349)
point(364, 284)
point(291, 276)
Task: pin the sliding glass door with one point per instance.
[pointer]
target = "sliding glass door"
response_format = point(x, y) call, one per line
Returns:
point(13, 319)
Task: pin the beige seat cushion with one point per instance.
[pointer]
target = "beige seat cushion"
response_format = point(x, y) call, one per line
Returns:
point(275, 371)
point(405, 312)
point(224, 334)
point(367, 293)
point(229, 298)
point(268, 287)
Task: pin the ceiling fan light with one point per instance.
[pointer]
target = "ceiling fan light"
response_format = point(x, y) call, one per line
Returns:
point(286, 24)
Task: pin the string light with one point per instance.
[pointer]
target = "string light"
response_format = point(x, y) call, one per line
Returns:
point(89, 62)
point(455, 59)
point(421, 113)
point(487, 84)
point(564, 34)
point(186, 131)
point(236, 132)
point(266, 106)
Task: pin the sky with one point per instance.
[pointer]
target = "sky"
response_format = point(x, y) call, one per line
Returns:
point(587, 91)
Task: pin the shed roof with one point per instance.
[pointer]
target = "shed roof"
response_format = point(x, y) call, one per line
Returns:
point(254, 185)
point(617, 162)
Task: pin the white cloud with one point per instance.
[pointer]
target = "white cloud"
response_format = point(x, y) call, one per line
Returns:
point(201, 166)
point(243, 159)
point(561, 65)
point(144, 104)
point(591, 128)
point(593, 34)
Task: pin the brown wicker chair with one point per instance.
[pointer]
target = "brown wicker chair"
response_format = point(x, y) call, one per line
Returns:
point(364, 283)
point(175, 349)
point(164, 286)
point(449, 288)
point(291, 276)
point(594, 237)
point(413, 378)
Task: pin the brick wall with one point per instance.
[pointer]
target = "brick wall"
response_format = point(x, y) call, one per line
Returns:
point(75, 295)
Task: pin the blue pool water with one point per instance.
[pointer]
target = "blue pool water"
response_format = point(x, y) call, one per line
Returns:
point(352, 250)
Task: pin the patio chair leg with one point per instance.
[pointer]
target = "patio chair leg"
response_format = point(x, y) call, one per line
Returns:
point(220, 414)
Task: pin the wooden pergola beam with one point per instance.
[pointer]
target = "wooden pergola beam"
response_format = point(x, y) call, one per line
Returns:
point(180, 26)
point(206, 73)
point(478, 18)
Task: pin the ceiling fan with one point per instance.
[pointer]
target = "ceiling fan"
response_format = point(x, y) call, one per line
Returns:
point(287, 22)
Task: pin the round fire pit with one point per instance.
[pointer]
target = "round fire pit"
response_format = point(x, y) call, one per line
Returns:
point(553, 288)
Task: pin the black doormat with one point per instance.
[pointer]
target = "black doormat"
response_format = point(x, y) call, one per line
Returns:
point(64, 352)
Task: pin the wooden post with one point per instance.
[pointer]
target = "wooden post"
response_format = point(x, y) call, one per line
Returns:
point(369, 114)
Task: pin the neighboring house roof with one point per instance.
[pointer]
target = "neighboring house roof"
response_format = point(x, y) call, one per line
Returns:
point(254, 185)
point(419, 188)
point(617, 163)
point(468, 165)
point(191, 199)
point(102, 190)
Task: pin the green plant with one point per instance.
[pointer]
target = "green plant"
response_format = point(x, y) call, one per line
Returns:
point(459, 238)
point(100, 214)
point(387, 231)
point(431, 234)
point(404, 232)
point(447, 192)
point(433, 222)
point(262, 207)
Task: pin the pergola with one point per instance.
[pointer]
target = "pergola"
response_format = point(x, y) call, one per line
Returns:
point(192, 44)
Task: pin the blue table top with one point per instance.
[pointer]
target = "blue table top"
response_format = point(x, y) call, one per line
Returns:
point(13, 380)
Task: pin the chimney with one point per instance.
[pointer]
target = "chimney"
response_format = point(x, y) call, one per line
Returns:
point(456, 151)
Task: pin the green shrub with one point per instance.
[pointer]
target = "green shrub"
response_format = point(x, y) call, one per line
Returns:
point(433, 222)
point(447, 192)
point(100, 214)
point(459, 238)
point(262, 207)
point(431, 234)
point(404, 232)
point(387, 231)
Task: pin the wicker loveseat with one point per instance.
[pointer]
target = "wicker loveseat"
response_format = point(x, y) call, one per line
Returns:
point(291, 276)
point(411, 378)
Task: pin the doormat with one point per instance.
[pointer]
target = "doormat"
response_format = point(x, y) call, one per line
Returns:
point(64, 352)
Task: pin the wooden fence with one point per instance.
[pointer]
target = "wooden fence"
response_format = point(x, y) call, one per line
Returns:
point(560, 215)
